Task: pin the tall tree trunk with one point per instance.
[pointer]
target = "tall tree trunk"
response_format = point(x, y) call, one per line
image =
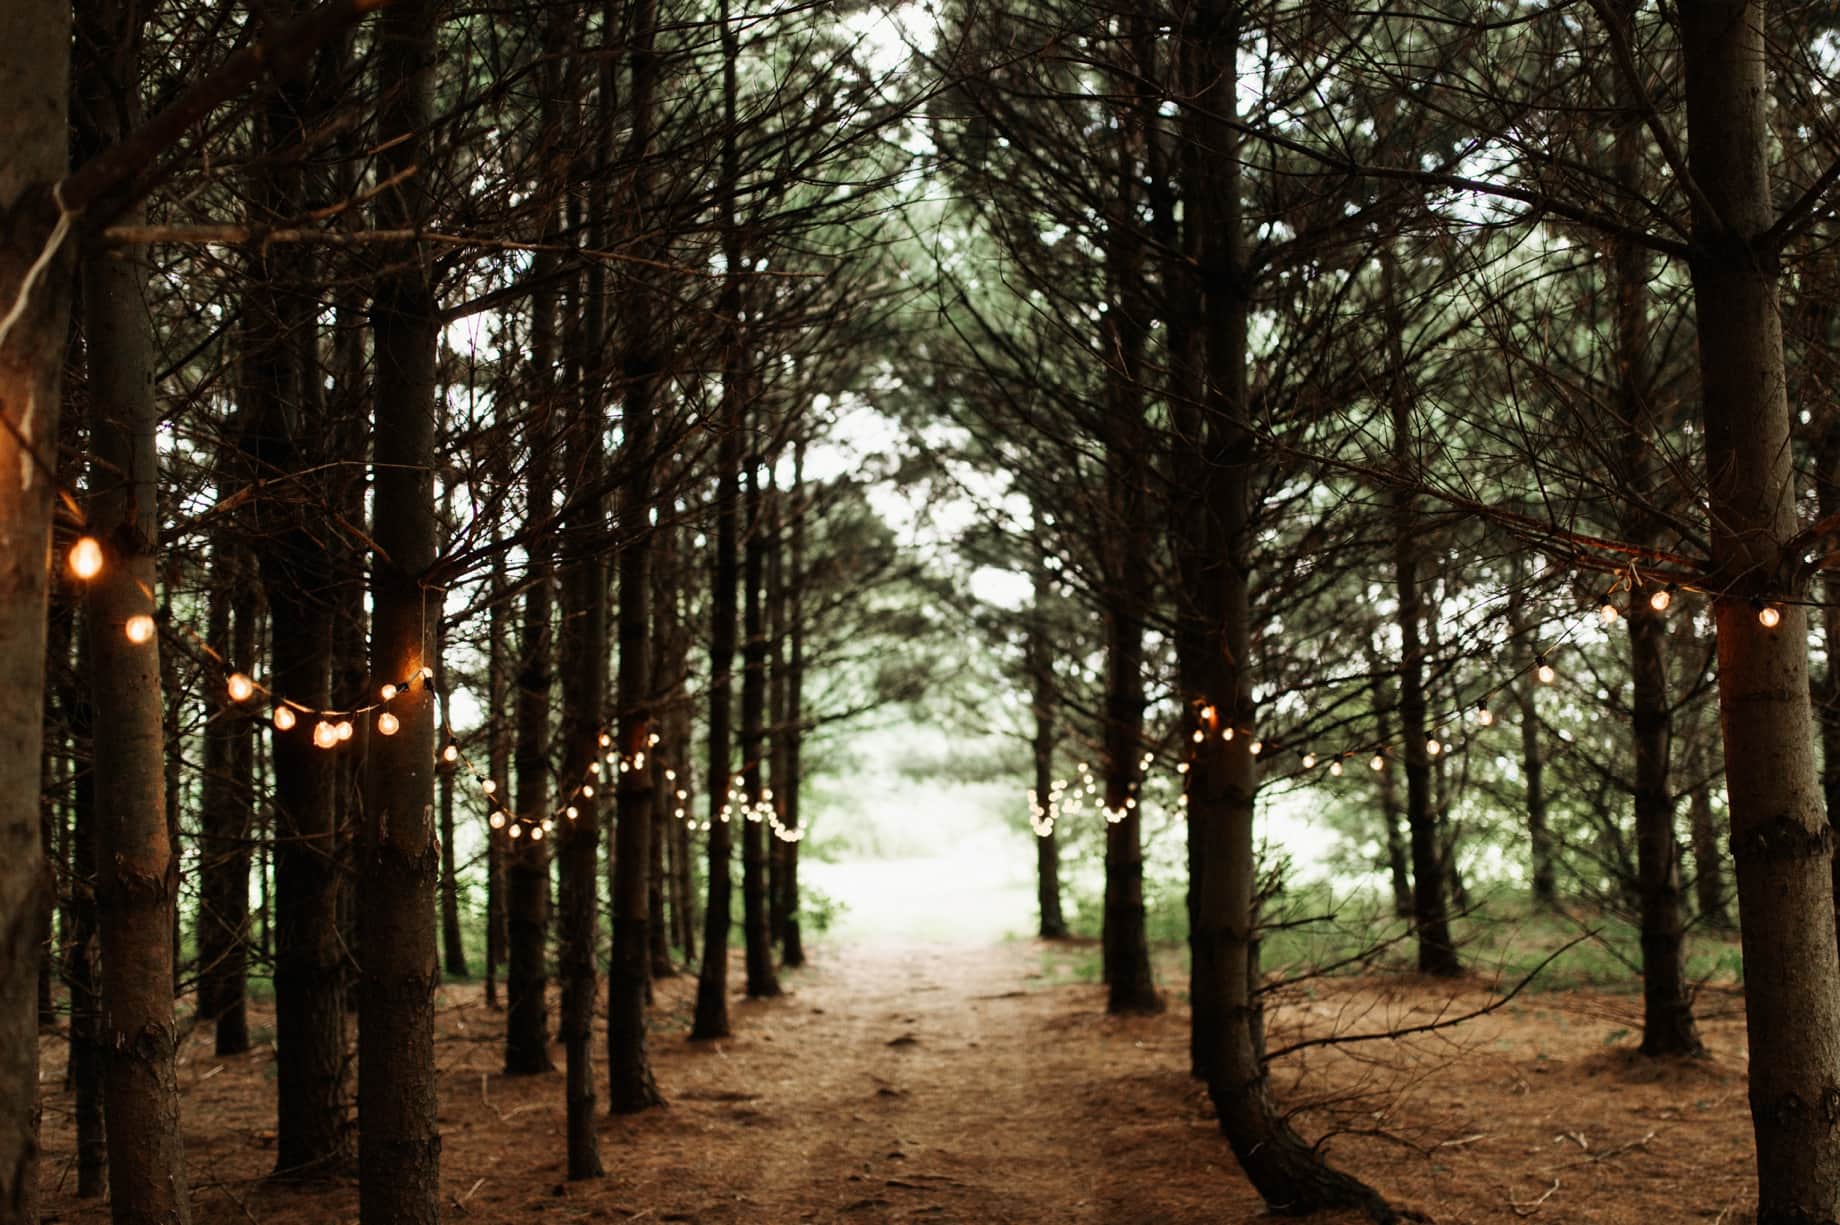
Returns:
point(527, 867)
point(792, 939)
point(762, 981)
point(630, 1085)
point(283, 438)
point(666, 669)
point(137, 872)
point(1709, 892)
point(224, 810)
point(711, 1019)
point(34, 95)
point(1053, 926)
point(498, 769)
point(399, 1146)
point(1223, 776)
point(1430, 916)
point(777, 846)
point(1780, 837)
point(1127, 468)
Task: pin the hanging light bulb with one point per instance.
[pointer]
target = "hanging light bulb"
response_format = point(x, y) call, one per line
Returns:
point(241, 687)
point(1433, 746)
point(451, 753)
point(344, 729)
point(1258, 746)
point(571, 812)
point(1606, 611)
point(606, 740)
point(1544, 671)
point(516, 830)
point(1309, 760)
point(325, 736)
point(496, 820)
point(587, 789)
point(489, 786)
point(1660, 600)
point(86, 558)
point(548, 826)
point(1335, 767)
point(139, 629)
point(1484, 715)
point(1378, 762)
point(388, 724)
point(594, 767)
point(1769, 616)
point(284, 718)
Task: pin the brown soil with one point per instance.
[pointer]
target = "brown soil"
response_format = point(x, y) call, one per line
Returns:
point(946, 1084)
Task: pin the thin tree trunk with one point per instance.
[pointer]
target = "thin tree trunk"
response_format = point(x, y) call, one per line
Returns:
point(666, 667)
point(82, 965)
point(1399, 869)
point(1780, 837)
point(498, 769)
point(137, 871)
point(1041, 679)
point(399, 1146)
point(223, 843)
point(762, 981)
point(792, 940)
point(453, 948)
point(711, 1019)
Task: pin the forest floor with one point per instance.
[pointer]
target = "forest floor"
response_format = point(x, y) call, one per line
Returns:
point(937, 1083)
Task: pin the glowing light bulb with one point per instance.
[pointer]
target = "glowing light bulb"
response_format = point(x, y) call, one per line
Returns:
point(606, 740)
point(516, 831)
point(285, 719)
point(587, 789)
point(1545, 672)
point(1660, 600)
point(139, 629)
point(1769, 616)
point(1258, 746)
point(1484, 715)
point(1606, 612)
point(425, 674)
point(1433, 746)
point(1309, 761)
point(86, 558)
point(489, 786)
point(496, 820)
point(594, 767)
point(1378, 763)
point(651, 741)
point(388, 724)
point(571, 812)
point(451, 753)
point(344, 729)
point(325, 736)
point(548, 825)
point(1200, 735)
point(388, 692)
point(241, 687)
point(1335, 767)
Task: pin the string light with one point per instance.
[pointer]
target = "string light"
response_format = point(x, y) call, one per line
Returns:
point(1309, 760)
point(344, 729)
point(1335, 767)
point(497, 819)
point(516, 830)
point(1769, 616)
point(388, 691)
point(387, 724)
point(1378, 763)
point(325, 735)
point(1433, 746)
point(490, 786)
point(241, 687)
point(451, 753)
point(1660, 600)
point(1484, 715)
point(1544, 671)
point(139, 629)
point(285, 719)
point(1607, 612)
point(86, 558)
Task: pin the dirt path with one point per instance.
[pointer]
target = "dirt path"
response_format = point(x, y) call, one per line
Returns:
point(937, 1083)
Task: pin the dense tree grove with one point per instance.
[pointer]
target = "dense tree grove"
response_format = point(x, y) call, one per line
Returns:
point(445, 517)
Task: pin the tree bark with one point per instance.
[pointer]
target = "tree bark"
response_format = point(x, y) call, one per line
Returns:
point(762, 981)
point(82, 970)
point(1398, 868)
point(1052, 925)
point(224, 810)
point(498, 769)
point(1780, 837)
point(137, 870)
point(1223, 775)
point(453, 948)
point(630, 1084)
point(399, 1146)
